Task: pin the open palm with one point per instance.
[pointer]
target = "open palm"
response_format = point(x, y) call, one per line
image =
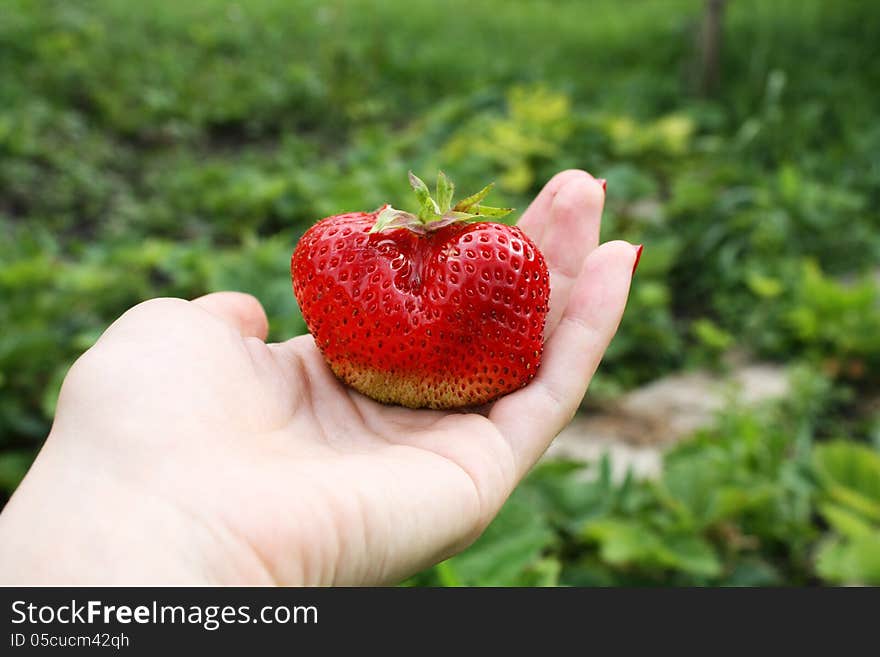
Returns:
point(249, 462)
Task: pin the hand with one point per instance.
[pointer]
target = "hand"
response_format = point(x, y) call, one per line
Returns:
point(187, 450)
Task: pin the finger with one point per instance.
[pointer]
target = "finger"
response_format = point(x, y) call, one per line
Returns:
point(536, 217)
point(241, 311)
point(569, 237)
point(531, 417)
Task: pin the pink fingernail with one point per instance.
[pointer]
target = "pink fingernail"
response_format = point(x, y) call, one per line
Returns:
point(638, 248)
point(602, 182)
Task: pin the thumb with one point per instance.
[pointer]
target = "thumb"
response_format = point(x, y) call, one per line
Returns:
point(241, 311)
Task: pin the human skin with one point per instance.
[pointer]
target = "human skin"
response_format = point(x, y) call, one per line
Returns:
point(187, 450)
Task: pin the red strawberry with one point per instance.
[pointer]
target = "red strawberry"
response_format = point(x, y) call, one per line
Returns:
point(424, 310)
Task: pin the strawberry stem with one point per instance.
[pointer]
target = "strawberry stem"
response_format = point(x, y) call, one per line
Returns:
point(435, 213)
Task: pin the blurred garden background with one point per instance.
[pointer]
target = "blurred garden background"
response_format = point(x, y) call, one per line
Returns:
point(176, 148)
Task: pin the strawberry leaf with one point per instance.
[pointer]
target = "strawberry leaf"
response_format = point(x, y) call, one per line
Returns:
point(434, 214)
point(487, 211)
point(428, 208)
point(393, 218)
point(445, 192)
point(465, 204)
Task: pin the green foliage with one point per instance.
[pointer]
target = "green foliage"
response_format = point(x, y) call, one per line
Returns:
point(509, 552)
point(850, 475)
point(533, 129)
point(735, 506)
point(850, 482)
point(170, 148)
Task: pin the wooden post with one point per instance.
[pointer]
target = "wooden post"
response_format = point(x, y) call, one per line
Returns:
point(709, 79)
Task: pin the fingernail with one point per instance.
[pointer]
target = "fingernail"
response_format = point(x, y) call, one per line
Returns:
point(602, 182)
point(638, 248)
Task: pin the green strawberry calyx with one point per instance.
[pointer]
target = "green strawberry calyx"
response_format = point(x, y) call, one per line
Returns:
point(437, 211)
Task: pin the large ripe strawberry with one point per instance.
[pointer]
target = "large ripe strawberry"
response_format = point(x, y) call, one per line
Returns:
point(426, 309)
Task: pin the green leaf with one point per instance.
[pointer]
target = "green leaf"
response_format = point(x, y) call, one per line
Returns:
point(487, 211)
point(544, 572)
point(445, 192)
point(392, 218)
point(844, 521)
point(850, 475)
point(465, 204)
point(460, 216)
point(446, 574)
point(855, 561)
point(693, 482)
point(732, 501)
point(428, 208)
point(568, 497)
point(711, 335)
point(693, 554)
point(623, 542)
point(511, 545)
point(764, 286)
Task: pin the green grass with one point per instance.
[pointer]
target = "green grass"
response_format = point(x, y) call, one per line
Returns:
point(172, 148)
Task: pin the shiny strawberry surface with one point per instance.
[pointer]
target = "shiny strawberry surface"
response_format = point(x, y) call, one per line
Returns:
point(451, 318)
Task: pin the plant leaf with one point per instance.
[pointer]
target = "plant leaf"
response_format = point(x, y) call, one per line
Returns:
point(445, 193)
point(487, 211)
point(844, 521)
point(427, 206)
point(392, 218)
point(693, 554)
point(850, 475)
point(465, 204)
point(854, 561)
point(510, 547)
